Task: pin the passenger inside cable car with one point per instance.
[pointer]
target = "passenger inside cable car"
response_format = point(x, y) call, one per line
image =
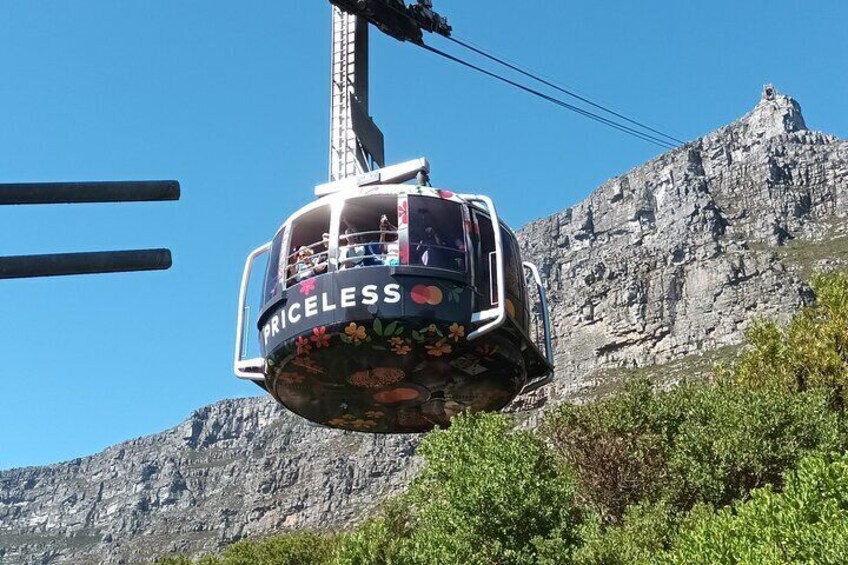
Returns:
point(437, 234)
point(373, 247)
point(308, 263)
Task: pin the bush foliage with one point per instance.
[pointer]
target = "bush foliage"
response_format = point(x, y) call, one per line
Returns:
point(806, 523)
point(810, 353)
point(301, 548)
point(490, 494)
point(749, 468)
point(695, 444)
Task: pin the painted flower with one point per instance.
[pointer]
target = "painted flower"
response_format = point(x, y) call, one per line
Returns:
point(320, 337)
point(403, 349)
point(307, 287)
point(439, 349)
point(351, 421)
point(303, 346)
point(355, 332)
point(362, 424)
point(403, 213)
point(457, 332)
point(378, 377)
point(395, 341)
point(445, 194)
point(510, 308)
point(374, 414)
point(404, 254)
point(432, 328)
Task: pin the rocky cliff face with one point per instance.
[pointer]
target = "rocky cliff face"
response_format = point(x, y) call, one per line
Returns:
point(666, 264)
point(237, 468)
point(677, 256)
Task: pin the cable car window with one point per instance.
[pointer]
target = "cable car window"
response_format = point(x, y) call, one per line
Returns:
point(368, 235)
point(513, 269)
point(487, 284)
point(436, 234)
point(276, 269)
point(308, 251)
point(514, 274)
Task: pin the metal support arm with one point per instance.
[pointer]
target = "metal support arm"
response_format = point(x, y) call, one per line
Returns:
point(546, 325)
point(62, 264)
point(252, 369)
point(88, 192)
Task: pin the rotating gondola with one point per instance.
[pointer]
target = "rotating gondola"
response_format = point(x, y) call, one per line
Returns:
point(391, 307)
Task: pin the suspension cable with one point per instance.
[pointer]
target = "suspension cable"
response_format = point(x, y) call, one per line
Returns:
point(592, 116)
point(555, 86)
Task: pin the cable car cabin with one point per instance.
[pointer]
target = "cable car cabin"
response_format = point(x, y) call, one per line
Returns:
point(393, 308)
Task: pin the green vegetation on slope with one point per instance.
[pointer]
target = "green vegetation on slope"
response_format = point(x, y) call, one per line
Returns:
point(806, 523)
point(299, 548)
point(750, 467)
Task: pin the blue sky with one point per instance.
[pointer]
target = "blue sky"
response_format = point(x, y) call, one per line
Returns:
point(231, 99)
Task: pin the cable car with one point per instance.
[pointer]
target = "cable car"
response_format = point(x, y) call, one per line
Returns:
point(392, 308)
point(388, 305)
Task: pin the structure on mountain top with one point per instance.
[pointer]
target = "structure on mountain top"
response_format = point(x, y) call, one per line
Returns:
point(391, 307)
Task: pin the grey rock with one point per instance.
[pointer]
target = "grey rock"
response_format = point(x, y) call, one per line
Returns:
point(670, 260)
point(234, 469)
point(687, 249)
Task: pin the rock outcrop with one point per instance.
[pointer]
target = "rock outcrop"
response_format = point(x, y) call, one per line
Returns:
point(234, 469)
point(677, 256)
point(667, 262)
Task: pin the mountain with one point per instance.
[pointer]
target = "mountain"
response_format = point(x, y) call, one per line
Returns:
point(659, 271)
point(676, 257)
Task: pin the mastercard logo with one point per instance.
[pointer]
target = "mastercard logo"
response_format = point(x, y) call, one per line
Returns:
point(430, 295)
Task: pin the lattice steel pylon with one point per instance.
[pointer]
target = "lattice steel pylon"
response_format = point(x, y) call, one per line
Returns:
point(356, 143)
point(349, 155)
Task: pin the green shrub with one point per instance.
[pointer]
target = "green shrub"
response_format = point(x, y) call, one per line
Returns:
point(173, 560)
point(643, 533)
point(731, 441)
point(378, 540)
point(489, 494)
point(810, 353)
point(617, 448)
point(806, 523)
point(699, 443)
point(301, 548)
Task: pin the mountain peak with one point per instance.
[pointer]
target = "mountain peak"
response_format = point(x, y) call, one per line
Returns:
point(774, 115)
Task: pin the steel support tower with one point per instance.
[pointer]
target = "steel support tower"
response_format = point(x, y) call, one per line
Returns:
point(356, 143)
point(349, 155)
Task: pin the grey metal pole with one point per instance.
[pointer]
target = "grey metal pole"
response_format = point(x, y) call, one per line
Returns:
point(60, 264)
point(88, 192)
